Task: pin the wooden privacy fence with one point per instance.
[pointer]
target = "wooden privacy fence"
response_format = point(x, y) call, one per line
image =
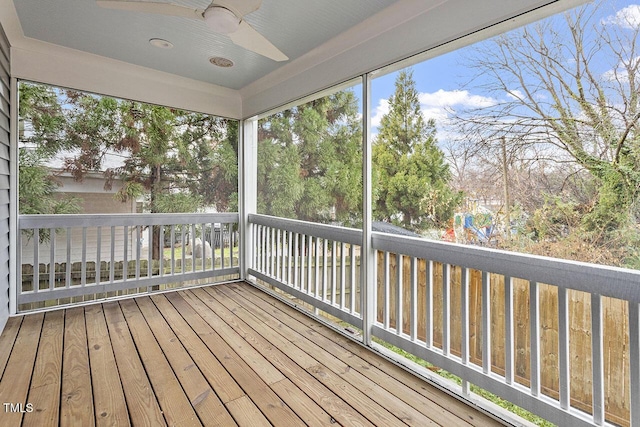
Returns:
point(615, 331)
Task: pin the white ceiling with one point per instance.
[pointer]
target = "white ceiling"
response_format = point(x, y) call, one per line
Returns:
point(75, 43)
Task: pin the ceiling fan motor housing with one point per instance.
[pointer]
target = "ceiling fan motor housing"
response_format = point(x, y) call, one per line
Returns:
point(221, 20)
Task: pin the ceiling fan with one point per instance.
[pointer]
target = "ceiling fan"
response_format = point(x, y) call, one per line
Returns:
point(222, 16)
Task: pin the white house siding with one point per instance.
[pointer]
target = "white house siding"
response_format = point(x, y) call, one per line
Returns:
point(5, 131)
point(92, 203)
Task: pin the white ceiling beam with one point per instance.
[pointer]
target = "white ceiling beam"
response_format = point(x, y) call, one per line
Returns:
point(59, 66)
point(404, 29)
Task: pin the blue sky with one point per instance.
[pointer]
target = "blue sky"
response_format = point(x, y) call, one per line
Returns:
point(441, 80)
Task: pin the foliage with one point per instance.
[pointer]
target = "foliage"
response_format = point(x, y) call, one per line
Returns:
point(177, 160)
point(37, 186)
point(556, 229)
point(40, 107)
point(36, 191)
point(411, 175)
point(310, 161)
point(177, 202)
point(571, 87)
point(555, 219)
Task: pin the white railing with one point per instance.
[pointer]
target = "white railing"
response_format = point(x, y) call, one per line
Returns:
point(558, 338)
point(316, 263)
point(574, 290)
point(63, 258)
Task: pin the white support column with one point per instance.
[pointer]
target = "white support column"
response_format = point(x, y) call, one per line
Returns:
point(247, 188)
point(367, 254)
point(14, 256)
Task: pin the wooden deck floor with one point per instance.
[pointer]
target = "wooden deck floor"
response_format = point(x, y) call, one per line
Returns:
point(216, 356)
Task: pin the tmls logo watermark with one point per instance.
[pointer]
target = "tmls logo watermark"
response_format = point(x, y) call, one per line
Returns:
point(18, 407)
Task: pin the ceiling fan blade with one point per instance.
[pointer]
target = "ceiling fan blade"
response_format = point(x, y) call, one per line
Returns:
point(152, 7)
point(252, 40)
point(239, 7)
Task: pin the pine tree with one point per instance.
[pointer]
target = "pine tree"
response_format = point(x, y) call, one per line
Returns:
point(411, 175)
point(310, 161)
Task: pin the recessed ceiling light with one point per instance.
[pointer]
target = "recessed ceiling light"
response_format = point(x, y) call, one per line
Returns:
point(162, 44)
point(219, 61)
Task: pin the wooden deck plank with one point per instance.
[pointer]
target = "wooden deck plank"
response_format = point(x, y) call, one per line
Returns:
point(233, 344)
point(356, 399)
point(7, 339)
point(367, 366)
point(76, 406)
point(272, 340)
point(307, 409)
point(448, 409)
point(176, 408)
point(220, 380)
point(141, 401)
point(318, 392)
point(44, 392)
point(108, 396)
point(223, 355)
point(246, 413)
point(449, 404)
point(353, 396)
point(206, 403)
point(274, 408)
point(16, 380)
point(282, 354)
point(402, 410)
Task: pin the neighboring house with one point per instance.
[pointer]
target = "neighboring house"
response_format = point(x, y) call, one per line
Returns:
point(94, 199)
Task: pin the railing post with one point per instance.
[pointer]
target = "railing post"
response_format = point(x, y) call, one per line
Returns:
point(367, 253)
point(634, 361)
point(247, 188)
point(597, 360)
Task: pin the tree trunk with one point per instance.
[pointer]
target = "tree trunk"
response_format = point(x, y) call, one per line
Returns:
point(157, 245)
point(505, 188)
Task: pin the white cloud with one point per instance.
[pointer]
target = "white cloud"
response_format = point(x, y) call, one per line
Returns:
point(439, 105)
point(515, 94)
point(381, 109)
point(620, 73)
point(628, 17)
point(436, 113)
point(450, 98)
point(614, 75)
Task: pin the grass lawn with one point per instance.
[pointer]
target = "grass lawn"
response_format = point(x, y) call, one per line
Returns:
point(217, 253)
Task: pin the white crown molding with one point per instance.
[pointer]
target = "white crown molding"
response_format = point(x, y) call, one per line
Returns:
point(372, 27)
point(44, 62)
point(10, 22)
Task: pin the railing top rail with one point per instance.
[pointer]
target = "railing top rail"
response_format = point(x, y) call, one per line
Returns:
point(609, 281)
point(106, 220)
point(324, 231)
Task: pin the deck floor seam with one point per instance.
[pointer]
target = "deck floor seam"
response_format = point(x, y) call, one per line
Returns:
point(226, 354)
point(347, 345)
point(342, 386)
